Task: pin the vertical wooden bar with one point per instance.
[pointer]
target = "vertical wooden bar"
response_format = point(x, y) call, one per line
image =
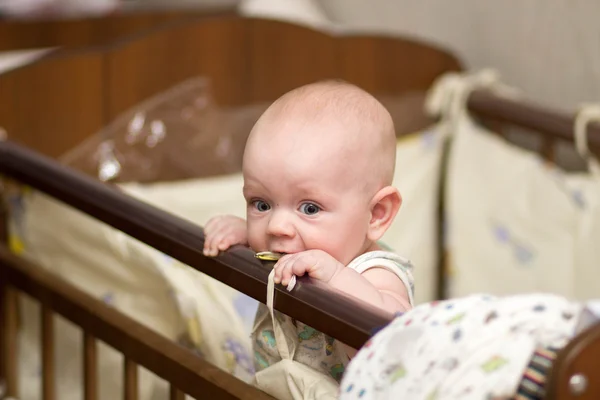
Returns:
point(443, 265)
point(176, 394)
point(8, 338)
point(48, 392)
point(548, 149)
point(131, 380)
point(496, 127)
point(8, 316)
point(90, 371)
point(3, 298)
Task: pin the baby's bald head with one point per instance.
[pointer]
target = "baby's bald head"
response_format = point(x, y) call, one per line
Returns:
point(330, 122)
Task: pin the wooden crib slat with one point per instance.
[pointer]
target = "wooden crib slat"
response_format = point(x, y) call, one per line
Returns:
point(47, 353)
point(131, 380)
point(8, 338)
point(548, 149)
point(176, 394)
point(90, 374)
point(8, 317)
point(164, 357)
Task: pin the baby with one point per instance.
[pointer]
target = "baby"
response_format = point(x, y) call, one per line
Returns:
point(318, 168)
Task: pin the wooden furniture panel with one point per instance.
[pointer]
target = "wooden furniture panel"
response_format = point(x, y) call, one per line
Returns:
point(52, 104)
point(96, 31)
point(73, 93)
point(286, 56)
point(390, 65)
point(215, 48)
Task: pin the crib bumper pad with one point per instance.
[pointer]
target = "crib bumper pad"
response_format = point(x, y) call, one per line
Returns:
point(155, 290)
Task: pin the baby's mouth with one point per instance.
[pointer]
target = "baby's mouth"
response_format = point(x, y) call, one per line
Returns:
point(273, 256)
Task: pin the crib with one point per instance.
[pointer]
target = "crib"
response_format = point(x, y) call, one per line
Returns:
point(244, 67)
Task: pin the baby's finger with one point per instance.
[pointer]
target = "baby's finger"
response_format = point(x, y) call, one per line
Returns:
point(207, 244)
point(221, 242)
point(280, 266)
point(212, 224)
point(212, 241)
point(225, 243)
point(277, 274)
point(229, 239)
point(209, 237)
point(292, 268)
point(303, 265)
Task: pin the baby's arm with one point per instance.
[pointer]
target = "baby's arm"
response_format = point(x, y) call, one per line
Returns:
point(376, 286)
point(222, 232)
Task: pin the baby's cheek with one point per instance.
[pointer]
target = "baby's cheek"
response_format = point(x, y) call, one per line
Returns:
point(343, 251)
point(256, 239)
point(329, 245)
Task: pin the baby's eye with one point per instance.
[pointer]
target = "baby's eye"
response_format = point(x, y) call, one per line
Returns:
point(261, 205)
point(309, 208)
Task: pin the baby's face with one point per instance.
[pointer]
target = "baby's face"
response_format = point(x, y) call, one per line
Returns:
point(303, 193)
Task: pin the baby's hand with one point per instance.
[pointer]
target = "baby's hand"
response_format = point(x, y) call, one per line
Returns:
point(317, 263)
point(222, 232)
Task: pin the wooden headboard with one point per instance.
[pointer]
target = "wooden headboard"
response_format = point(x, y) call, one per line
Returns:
point(53, 104)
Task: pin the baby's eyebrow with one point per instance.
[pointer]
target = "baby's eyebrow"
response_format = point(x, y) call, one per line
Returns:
point(249, 189)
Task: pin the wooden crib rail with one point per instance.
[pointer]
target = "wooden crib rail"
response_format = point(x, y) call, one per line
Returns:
point(185, 371)
point(329, 311)
point(550, 124)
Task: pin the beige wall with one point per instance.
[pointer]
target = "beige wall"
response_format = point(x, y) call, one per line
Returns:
point(549, 48)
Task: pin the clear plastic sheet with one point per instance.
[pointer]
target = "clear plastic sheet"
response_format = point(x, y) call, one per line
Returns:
point(182, 133)
point(178, 134)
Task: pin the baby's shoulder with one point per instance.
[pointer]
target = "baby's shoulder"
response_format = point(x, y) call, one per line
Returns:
point(382, 258)
point(381, 265)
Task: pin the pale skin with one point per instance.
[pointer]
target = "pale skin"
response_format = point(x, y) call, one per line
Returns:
point(318, 189)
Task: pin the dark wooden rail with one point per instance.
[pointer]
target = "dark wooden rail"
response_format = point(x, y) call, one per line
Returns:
point(541, 120)
point(329, 311)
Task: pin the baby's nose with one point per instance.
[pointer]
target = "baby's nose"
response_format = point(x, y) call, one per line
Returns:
point(280, 224)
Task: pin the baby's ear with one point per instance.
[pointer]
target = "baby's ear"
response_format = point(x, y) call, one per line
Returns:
point(384, 207)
